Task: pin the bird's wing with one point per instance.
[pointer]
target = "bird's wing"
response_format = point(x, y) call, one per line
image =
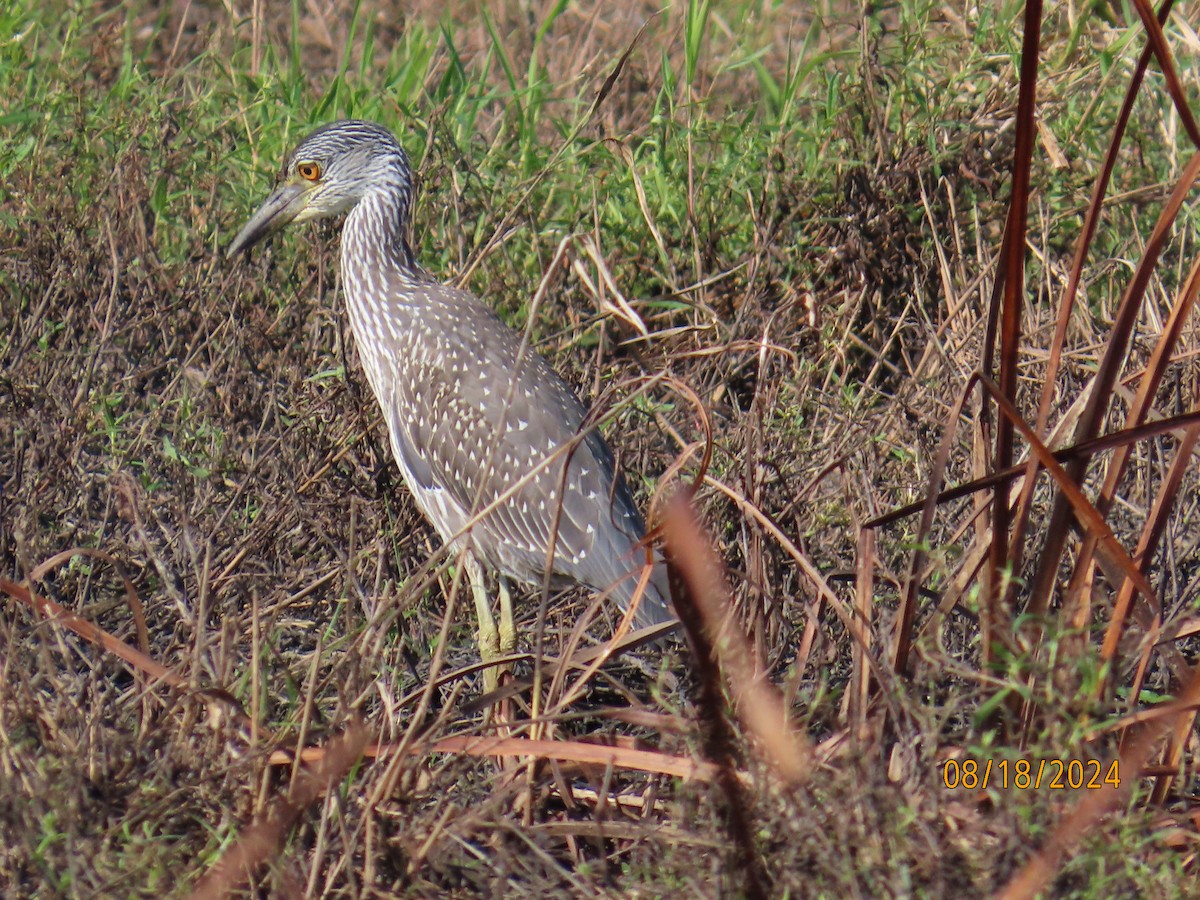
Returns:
point(451, 426)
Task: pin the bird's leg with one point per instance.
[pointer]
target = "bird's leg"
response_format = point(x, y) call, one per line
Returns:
point(508, 631)
point(508, 643)
point(489, 638)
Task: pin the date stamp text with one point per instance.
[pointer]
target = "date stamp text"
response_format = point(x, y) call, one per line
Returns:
point(1030, 774)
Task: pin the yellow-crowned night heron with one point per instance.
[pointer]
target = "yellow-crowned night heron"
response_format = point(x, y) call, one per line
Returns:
point(481, 428)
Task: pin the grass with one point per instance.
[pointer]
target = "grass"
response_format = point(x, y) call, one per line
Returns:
point(806, 209)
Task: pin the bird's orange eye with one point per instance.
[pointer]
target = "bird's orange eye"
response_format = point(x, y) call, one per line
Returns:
point(309, 171)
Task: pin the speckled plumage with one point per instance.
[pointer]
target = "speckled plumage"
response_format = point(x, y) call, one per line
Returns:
point(476, 423)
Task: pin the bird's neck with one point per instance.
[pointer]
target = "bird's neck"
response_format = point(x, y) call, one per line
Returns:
point(376, 234)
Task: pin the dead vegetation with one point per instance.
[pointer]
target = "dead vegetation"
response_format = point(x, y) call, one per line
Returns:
point(195, 468)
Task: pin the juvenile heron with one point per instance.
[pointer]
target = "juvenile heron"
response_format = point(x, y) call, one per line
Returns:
point(480, 427)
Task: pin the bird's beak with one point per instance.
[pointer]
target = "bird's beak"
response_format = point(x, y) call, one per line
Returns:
point(286, 202)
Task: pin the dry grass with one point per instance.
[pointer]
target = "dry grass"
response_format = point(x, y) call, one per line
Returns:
point(815, 264)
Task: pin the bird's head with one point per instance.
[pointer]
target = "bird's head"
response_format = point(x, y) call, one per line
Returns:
point(328, 173)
